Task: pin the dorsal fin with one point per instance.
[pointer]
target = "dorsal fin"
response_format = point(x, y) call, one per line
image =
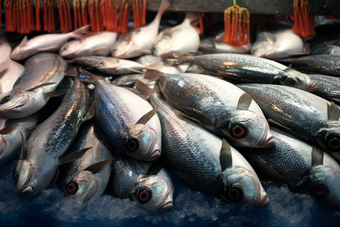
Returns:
point(270, 37)
point(333, 112)
point(72, 156)
point(244, 102)
point(226, 158)
point(146, 117)
point(23, 42)
point(19, 78)
point(99, 166)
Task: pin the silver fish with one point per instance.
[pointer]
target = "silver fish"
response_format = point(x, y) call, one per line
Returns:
point(305, 115)
point(38, 165)
point(8, 78)
point(139, 41)
point(97, 44)
point(45, 43)
point(124, 121)
point(149, 184)
point(219, 106)
point(203, 162)
point(247, 68)
point(34, 87)
point(5, 57)
point(328, 86)
point(87, 177)
point(304, 168)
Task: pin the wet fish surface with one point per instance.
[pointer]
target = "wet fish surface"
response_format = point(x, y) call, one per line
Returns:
point(328, 86)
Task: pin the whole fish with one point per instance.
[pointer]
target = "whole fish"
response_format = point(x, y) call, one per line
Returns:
point(10, 139)
point(87, 177)
point(9, 77)
point(203, 162)
point(97, 44)
point(210, 45)
point(328, 86)
point(304, 168)
point(38, 164)
point(305, 115)
point(247, 68)
point(45, 43)
point(324, 64)
point(139, 41)
point(5, 57)
point(108, 65)
point(124, 121)
point(149, 184)
point(219, 106)
point(43, 73)
point(279, 44)
point(178, 40)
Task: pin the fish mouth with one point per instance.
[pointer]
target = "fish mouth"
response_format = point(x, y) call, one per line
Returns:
point(22, 101)
point(266, 141)
point(263, 202)
point(91, 192)
point(311, 87)
point(24, 190)
point(152, 155)
point(167, 203)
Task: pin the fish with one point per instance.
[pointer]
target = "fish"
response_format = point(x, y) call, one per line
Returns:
point(10, 139)
point(45, 43)
point(97, 44)
point(130, 80)
point(147, 183)
point(324, 64)
point(210, 45)
point(305, 115)
point(86, 178)
point(125, 122)
point(328, 86)
point(148, 59)
point(247, 68)
point(178, 40)
point(32, 90)
point(302, 167)
point(139, 41)
point(279, 44)
point(203, 161)
point(219, 106)
point(40, 159)
point(108, 65)
point(5, 58)
point(8, 78)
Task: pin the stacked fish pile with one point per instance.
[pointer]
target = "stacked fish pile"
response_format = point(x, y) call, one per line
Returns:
point(124, 136)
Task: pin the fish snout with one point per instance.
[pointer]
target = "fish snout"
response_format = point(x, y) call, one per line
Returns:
point(311, 87)
point(168, 205)
point(267, 141)
point(24, 177)
point(263, 201)
point(2, 144)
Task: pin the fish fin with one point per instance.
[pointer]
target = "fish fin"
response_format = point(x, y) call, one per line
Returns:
point(158, 38)
point(55, 93)
point(87, 77)
point(146, 117)
point(333, 112)
point(79, 33)
point(226, 159)
point(337, 101)
point(9, 129)
point(23, 41)
point(23, 152)
point(306, 48)
point(55, 177)
point(270, 37)
point(99, 166)
point(72, 156)
point(19, 78)
point(163, 6)
point(41, 85)
point(146, 52)
point(277, 124)
point(72, 71)
point(143, 89)
point(154, 169)
point(317, 156)
point(219, 38)
point(31, 129)
point(244, 102)
point(96, 51)
point(47, 49)
point(135, 71)
point(180, 113)
point(152, 74)
point(90, 113)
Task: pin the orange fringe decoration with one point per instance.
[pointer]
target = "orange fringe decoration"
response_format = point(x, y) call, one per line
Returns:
point(10, 23)
point(49, 25)
point(139, 11)
point(237, 26)
point(93, 7)
point(109, 10)
point(200, 20)
point(303, 23)
point(64, 16)
point(37, 15)
point(0, 17)
point(124, 16)
point(84, 14)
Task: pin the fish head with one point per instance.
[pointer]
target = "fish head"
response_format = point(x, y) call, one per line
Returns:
point(20, 53)
point(82, 187)
point(156, 193)
point(70, 49)
point(143, 143)
point(11, 105)
point(238, 185)
point(245, 128)
point(328, 137)
point(293, 78)
point(260, 49)
point(124, 49)
point(163, 46)
point(323, 185)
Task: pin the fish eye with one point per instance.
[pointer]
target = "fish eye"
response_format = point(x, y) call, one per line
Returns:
point(5, 99)
point(15, 177)
point(292, 81)
point(65, 47)
point(238, 131)
point(72, 187)
point(334, 143)
point(133, 145)
point(234, 194)
point(114, 49)
point(319, 190)
point(144, 195)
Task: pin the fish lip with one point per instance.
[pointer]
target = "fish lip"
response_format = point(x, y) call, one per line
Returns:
point(311, 87)
point(267, 141)
point(263, 202)
point(91, 193)
point(167, 203)
point(151, 155)
point(24, 190)
point(27, 191)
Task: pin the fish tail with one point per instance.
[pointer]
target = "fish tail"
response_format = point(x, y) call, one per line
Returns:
point(162, 8)
point(80, 32)
point(88, 77)
point(144, 90)
point(175, 60)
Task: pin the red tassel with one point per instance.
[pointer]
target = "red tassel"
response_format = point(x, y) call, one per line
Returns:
point(124, 17)
point(0, 17)
point(201, 25)
point(303, 23)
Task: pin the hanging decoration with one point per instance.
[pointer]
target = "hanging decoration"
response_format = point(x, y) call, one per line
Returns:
point(303, 22)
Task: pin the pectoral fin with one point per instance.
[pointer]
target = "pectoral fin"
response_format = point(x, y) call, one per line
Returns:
point(97, 167)
point(91, 112)
point(72, 156)
point(333, 112)
point(144, 119)
point(55, 93)
point(226, 159)
point(40, 85)
point(244, 102)
point(9, 129)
